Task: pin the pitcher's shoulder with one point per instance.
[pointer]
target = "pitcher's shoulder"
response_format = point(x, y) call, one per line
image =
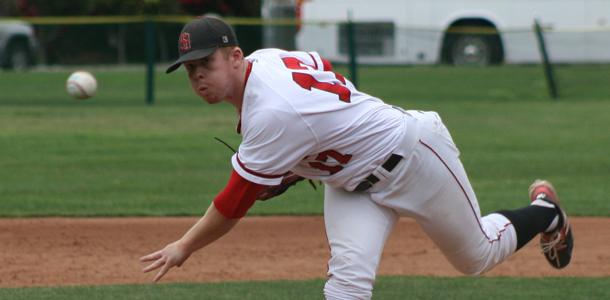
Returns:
point(262, 53)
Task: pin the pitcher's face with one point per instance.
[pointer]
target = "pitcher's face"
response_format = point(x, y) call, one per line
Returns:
point(210, 76)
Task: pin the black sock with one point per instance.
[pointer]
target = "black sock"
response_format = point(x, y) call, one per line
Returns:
point(529, 221)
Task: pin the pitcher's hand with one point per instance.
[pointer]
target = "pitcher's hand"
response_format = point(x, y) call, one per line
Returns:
point(173, 255)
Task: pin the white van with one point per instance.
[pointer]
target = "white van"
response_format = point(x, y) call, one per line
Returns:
point(458, 32)
point(17, 45)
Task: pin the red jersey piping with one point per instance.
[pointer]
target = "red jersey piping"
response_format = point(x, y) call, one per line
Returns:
point(248, 71)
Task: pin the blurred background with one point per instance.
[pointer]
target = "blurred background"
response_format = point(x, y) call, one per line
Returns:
point(471, 32)
point(49, 33)
point(536, 71)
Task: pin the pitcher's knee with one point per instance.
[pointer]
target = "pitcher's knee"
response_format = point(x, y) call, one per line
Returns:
point(349, 278)
point(469, 269)
point(337, 289)
point(472, 267)
point(479, 261)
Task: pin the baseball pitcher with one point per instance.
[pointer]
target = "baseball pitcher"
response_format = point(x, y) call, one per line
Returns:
point(300, 119)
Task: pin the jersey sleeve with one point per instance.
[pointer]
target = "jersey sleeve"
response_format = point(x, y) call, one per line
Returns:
point(276, 142)
point(237, 197)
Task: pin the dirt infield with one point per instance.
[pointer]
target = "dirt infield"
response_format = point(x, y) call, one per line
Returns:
point(87, 251)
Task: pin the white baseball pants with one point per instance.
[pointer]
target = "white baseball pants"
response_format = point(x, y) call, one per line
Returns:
point(430, 185)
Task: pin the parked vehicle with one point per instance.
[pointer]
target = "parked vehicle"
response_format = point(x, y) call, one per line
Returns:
point(475, 32)
point(17, 45)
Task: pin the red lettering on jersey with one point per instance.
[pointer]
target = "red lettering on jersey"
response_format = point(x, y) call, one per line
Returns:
point(307, 81)
point(340, 77)
point(294, 63)
point(315, 63)
point(320, 166)
point(323, 157)
point(327, 65)
point(341, 158)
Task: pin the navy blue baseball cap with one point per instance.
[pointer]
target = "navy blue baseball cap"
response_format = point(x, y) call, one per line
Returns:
point(201, 37)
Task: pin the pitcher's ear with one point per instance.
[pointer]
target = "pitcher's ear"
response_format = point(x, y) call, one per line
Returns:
point(237, 54)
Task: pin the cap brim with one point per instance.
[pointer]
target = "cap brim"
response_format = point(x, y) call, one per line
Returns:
point(195, 54)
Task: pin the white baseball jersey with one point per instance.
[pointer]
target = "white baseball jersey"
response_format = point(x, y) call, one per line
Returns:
point(296, 116)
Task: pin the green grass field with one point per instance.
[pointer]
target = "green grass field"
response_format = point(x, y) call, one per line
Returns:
point(386, 288)
point(115, 156)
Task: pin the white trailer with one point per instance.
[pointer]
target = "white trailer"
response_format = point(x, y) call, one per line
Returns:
point(458, 32)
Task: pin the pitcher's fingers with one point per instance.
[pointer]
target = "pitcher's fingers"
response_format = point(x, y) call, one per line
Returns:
point(154, 265)
point(164, 270)
point(152, 256)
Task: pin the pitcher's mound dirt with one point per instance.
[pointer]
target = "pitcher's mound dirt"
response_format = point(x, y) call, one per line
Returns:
point(87, 251)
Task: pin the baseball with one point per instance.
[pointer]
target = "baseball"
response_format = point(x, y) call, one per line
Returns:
point(81, 85)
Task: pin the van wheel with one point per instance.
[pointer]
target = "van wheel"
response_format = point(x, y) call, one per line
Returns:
point(472, 50)
point(18, 56)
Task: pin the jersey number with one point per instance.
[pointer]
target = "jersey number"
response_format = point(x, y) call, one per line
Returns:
point(323, 157)
point(307, 81)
